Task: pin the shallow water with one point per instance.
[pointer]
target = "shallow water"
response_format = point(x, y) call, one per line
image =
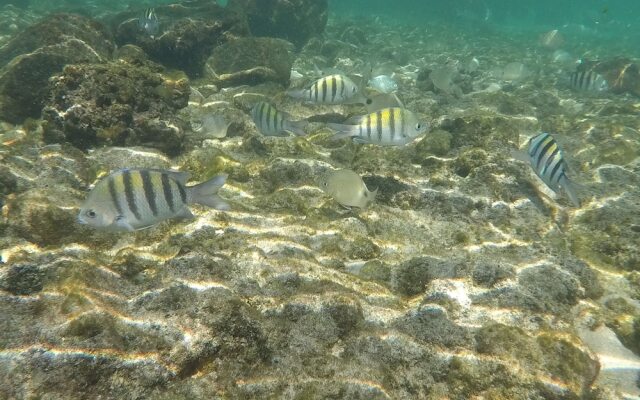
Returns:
point(467, 278)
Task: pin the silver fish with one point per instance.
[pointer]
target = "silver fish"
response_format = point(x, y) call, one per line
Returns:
point(392, 126)
point(383, 84)
point(347, 188)
point(132, 199)
point(149, 23)
point(589, 81)
point(546, 159)
point(332, 89)
point(271, 122)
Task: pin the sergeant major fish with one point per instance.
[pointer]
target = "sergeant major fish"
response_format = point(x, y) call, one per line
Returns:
point(546, 159)
point(589, 81)
point(271, 122)
point(149, 23)
point(132, 199)
point(332, 89)
point(347, 188)
point(392, 126)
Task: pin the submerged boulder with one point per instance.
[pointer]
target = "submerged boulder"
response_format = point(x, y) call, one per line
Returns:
point(294, 20)
point(252, 61)
point(116, 104)
point(41, 51)
point(187, 35)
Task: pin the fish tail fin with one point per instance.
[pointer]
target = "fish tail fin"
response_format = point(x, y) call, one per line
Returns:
point(296, 127)
point(298, 93)
point(343, 130)
point(206, 193)
point(372, 198)
point(570, 189)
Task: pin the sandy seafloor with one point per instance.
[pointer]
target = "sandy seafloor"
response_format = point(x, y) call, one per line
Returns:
point(464, 280)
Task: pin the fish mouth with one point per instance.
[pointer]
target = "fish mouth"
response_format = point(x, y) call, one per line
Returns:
point(81, 221)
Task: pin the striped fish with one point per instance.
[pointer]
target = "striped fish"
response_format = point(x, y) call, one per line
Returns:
point(149, 23)
point(132, 199)
point(271, 122)
point(332, 89)
point(588, 81)
point(392, 126)
point(547, 161)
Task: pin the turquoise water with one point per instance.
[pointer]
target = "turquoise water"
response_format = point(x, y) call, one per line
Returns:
point(418, 199)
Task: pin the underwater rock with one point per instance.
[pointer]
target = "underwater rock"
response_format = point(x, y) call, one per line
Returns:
point(294, 20)
point(23, 279)
point(23, 82)
point(41, 51)
point(622, 74)
point(56, 29)
point(189, 32)
point(411, 277)
point(116, 104)
point(251, 61)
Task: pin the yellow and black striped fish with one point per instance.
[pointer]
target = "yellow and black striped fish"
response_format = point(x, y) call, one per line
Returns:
point(132, 199)
point(392, 126)
point(332, 89)
point(271, 122)
point(548, 163)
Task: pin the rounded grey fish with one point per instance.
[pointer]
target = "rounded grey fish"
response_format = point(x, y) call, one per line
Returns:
point(332, 89)
point(393, 126)
point(383, 84)
point(132, 199)
point(347, 188)
point(271, 122)
point(546, 159)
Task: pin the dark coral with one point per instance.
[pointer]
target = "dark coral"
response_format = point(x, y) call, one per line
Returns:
point(294, 20)
point(188, 33)
point(41, 51)
point(117, 104)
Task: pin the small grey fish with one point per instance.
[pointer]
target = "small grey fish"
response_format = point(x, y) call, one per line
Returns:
point(392, 126)
point(149, 23)
point(132, 199)
point(347, 188)
point(588, 81)
point(383, 84)
point(332, 89)
point(271, 122)
point(546, 159)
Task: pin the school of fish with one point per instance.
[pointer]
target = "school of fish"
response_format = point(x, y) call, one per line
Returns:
point(133, 199)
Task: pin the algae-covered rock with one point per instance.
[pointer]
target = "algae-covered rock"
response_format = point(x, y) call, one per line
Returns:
point(117, 104)
point(23, 82)
point(251, 61)
point(56, 29)
point(296, 21)
point(188, 33)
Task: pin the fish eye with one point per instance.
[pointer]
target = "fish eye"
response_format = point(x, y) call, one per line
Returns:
point(418, 126)
point(90, 214)
point(355, 89)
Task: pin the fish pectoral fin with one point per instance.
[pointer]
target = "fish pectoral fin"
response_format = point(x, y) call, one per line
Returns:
point(121, 223)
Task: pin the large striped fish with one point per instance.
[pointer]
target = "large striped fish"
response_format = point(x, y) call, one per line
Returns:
point(546, 159)
point(271, 122)
point(132, 199)
point(332, 89)
point(392, 126)
point(588, 81)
